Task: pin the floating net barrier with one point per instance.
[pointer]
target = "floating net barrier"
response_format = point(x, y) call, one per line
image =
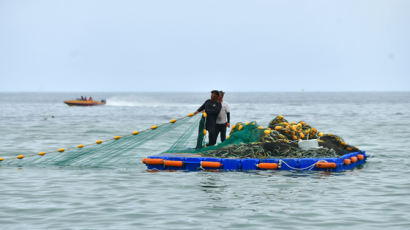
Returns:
point(282, 145)
point(121, 151)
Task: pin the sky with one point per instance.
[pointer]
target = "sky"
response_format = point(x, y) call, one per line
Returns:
point(188, 45)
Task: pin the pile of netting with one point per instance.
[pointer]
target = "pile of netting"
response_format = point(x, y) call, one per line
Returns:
point(279, 140)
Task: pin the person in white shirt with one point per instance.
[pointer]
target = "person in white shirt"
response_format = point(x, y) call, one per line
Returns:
point(224, 117)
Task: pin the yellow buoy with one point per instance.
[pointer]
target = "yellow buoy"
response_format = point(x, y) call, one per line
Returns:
point(41, 153)
point(280, 117)
point(191, 114)
point(117, 137)
point(80, 146)
point(1, 159)
point(278, 127)
point(343, 143)
point(228, 137)
point(247, 123)
point(260, 127)
point(302, 135)
point(20, 156)
point(234, 126)
point(204, 132)
point(240, 127)
point(267, 131)
point(320, 134)
point(99, 142)
point(172, 121)
point(204, 114)
point(135, 132)
point(154, 127)
point(61, 150)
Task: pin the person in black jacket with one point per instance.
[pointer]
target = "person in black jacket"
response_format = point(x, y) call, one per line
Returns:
point(212, 108)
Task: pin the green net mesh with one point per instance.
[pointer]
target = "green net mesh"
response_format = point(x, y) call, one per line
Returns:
point(186, 135)
point(241, 133)
point(123, 152)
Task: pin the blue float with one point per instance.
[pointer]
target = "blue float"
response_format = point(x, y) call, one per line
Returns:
point(195, 162)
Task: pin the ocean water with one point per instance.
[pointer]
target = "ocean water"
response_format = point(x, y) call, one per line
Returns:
point(375, 196)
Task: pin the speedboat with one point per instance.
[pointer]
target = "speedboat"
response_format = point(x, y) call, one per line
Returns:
point(79, 102)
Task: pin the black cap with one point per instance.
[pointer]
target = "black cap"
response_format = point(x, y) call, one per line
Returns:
point(215, 92)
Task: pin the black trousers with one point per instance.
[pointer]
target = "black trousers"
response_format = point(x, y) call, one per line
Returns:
point(212, 135)
point(220, 128)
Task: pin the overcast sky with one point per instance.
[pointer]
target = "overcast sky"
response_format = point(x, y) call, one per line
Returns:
point(174, 45)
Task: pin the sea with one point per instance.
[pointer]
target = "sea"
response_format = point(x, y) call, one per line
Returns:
point(375, 196)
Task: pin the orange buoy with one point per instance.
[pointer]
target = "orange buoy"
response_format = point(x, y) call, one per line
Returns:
point(173, 163)
point(154, 127)
point(210, 164)
point(41, 153)
point(80, 146)
point(347, 161)
point(360, 157)
point(266, 131)
point(190, 114)
point(267, 165)
point(20, 156)
point(172, 121)
point(204, 114)
point(99, 142)
point(135, 132)
point(325, 165)
point(354, 159)
point(117, 137)
point(61, 150)
point(1, 159)
point(149, 161)
point(240, 127)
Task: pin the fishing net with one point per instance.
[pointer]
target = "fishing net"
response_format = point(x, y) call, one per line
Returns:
point(121, 152)
point(187, 135)
point(281, 139)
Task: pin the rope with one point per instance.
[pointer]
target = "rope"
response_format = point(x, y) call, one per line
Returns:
point(310, 167)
